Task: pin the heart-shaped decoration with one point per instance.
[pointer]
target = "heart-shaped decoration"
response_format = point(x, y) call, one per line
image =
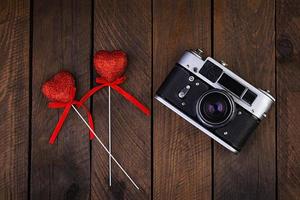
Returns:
point(60, 88)
point(110, 65)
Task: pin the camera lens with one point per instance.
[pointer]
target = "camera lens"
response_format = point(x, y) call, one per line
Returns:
point(215, 108)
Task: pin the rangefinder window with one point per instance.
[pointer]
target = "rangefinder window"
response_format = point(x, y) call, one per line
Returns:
point(211, 71)
point(249, 97)
point(231, 85)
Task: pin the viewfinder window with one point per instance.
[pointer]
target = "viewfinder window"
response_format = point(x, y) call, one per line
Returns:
point(231, 84)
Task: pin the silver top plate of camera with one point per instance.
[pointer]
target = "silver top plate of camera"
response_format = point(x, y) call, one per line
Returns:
point(193, 61)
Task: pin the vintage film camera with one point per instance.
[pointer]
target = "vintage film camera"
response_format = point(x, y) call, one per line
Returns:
point(214, 99)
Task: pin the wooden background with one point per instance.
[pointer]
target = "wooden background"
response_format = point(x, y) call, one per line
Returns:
point(165, 155)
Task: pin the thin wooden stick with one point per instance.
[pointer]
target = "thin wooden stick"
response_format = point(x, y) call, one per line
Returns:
point(109, 136)
point(113, 158)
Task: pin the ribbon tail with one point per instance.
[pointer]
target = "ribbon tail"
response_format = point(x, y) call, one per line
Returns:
point(90, 93)
point(59, 124)
point(90, 120)
point(132, 99)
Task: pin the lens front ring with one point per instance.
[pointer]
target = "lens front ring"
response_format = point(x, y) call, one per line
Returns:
point(215, 108)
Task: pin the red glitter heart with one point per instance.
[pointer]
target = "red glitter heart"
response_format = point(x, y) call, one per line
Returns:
point(110, 65)
point(60, 88)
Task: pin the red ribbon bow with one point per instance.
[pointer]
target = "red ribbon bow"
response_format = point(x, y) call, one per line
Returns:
point(64, 115)
point(115, 86)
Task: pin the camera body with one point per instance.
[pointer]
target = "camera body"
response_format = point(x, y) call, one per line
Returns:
point(214, 99)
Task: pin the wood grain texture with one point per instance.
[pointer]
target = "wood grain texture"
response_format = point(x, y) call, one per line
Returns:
point(124, 25)
point(61, 40)
point(14, 98)
point(244, 37)
point(154, 33)
point(288, 92)
point(182, 154)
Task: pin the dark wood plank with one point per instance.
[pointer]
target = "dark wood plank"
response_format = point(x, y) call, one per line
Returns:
point(288, 92)
point(124, 25)
point(244, 38)
point(14, 98)
point(61, 40)
point(182, 154)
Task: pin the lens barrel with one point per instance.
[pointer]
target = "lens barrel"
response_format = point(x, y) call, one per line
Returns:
point(215, 108)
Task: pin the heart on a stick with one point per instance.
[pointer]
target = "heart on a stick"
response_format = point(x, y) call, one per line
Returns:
point(110, 65)
point(60, 88)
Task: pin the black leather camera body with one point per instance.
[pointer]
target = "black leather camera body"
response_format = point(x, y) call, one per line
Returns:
point(214, 99)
